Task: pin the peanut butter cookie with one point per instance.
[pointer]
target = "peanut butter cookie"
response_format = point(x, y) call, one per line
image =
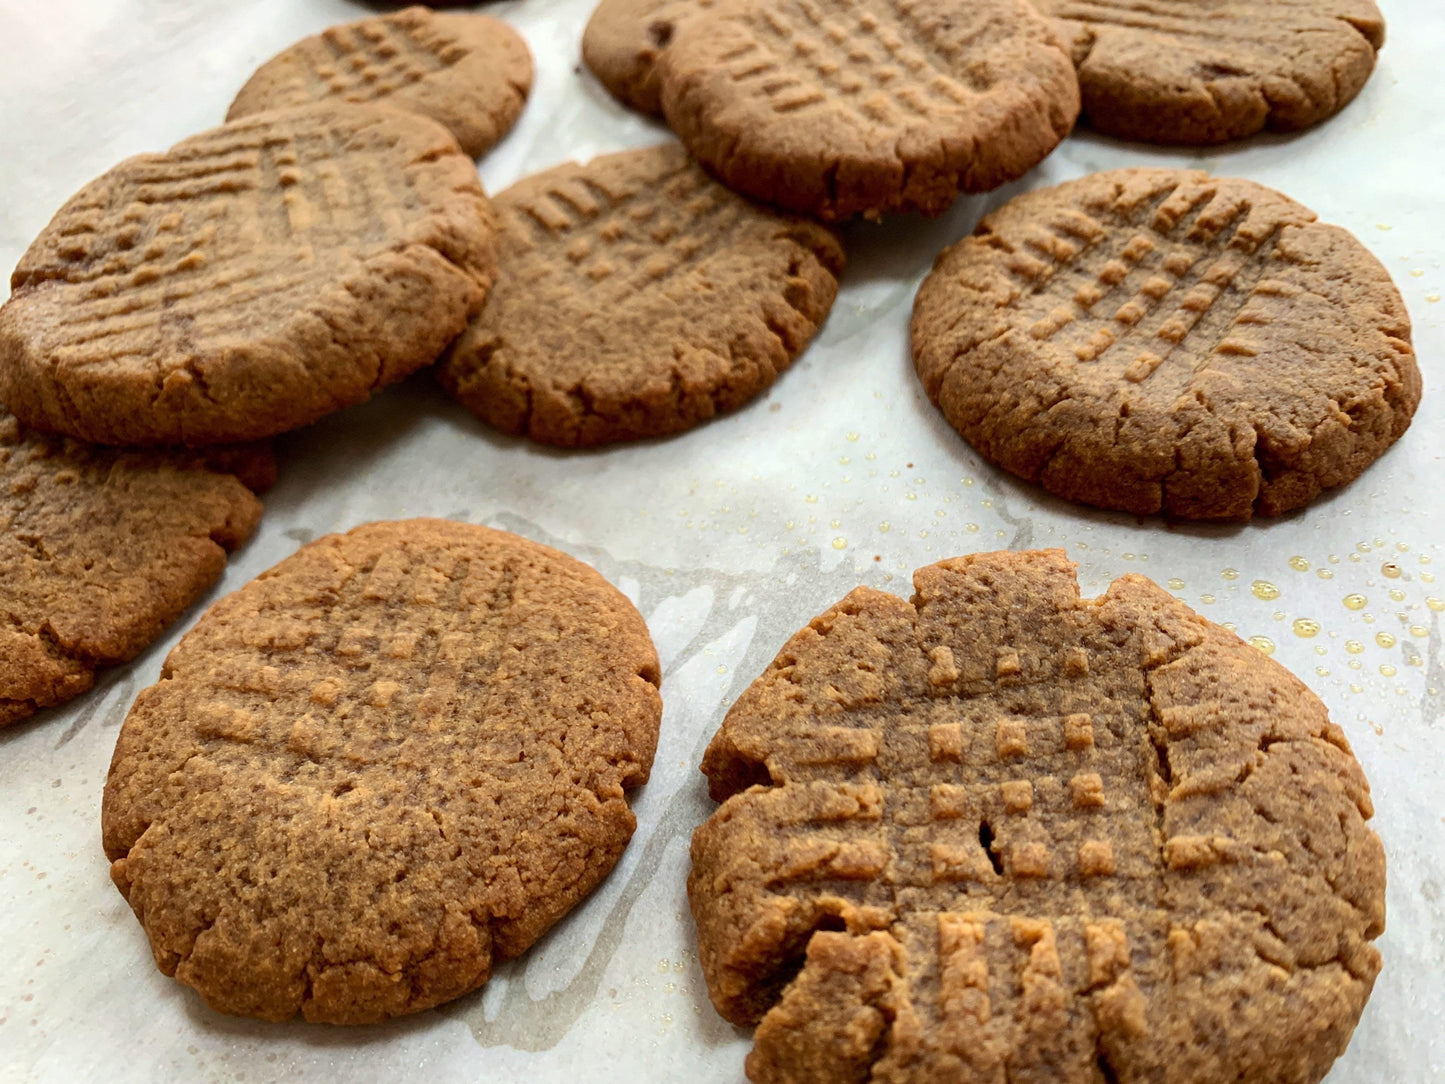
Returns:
point(397, 757)
point(1207, 71)
point(637, 297)
point(248, 281)
point(1161, 340)
point(1000, 832)
point(101, 549)
point(843, 107)
point(469, 73)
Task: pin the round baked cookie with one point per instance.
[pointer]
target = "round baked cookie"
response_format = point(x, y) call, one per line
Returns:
point(1000, 832)
point(101, 549)
point(843, 107)
point(469, 73)
point(623, 40)
point(248, 281)
point(637, 297)
point(1157, 340)
point(392, 760)
point(1207, 71)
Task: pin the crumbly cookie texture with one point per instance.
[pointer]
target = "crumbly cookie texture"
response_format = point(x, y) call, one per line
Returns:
point(100, 550)
point(249, 280)
point(1180, 71)
point(395, 758)
point(837, 108)
point(1002, 832)
point(1160, 340)
point(623, 40)
point(469, 73)
point(637, 297)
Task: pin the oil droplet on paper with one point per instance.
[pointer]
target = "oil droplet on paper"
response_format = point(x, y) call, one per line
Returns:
point(1299, 564)
point(852, 436)
point(1427, 577)
point(1230, 574)
point(1356, 602)
point(722, 669)
point(1176, 585)
point(1230, 625)
point(1262, 643)
point(1396, 595)
point(1385, 639)
point(1388, 671)
point(1435, 604)
point(1325, 574)
point(1354, 688)
point(1306, 627)
point(971, 528)
point(1208, 600)
point(1390, 570)
point(811, 498)
point(1419, 630)
point(885, 526)
point(1264, 590)
point(1322, 671)
point(1354, 647)
point(840, 543)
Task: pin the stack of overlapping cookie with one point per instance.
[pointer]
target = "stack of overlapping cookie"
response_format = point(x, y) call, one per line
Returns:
point(995, 832)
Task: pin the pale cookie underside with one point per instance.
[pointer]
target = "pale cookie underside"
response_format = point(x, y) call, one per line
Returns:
point(470, 73)
point(1003, 833)
point(248, 281)
point(637, 297)
point(403, 752)
point(1182, 71)
point(1150, 340)
point(846, 107)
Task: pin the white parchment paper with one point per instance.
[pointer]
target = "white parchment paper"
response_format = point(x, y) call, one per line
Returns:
point(728, 538)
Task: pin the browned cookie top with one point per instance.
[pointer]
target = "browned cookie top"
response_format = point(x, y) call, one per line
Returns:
point(250, 280)
point(637, 297)
point(394, 758)
point(100, 550)
point(468, 73)
point(1153, 340)
point(845, 107)
point(1206, 71)
point(623, 40)
point(1010, 834)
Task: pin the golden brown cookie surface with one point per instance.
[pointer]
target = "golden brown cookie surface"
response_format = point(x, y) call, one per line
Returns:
point(1001, 832)
point(250, 280)
point(1207, 71)
point(1157, 340)
point(469, 73)
point(843, 107)
point(637, 297)
point(395, 758)
point(101, 549)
